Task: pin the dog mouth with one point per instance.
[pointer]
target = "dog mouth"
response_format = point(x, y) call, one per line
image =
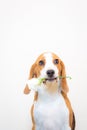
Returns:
point(50, 79)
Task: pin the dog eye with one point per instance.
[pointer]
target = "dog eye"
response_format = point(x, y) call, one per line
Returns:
point(56, 61)
point(41, 62)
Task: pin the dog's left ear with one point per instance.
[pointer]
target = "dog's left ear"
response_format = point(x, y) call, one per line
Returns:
point(63, 80)
point(31, 75)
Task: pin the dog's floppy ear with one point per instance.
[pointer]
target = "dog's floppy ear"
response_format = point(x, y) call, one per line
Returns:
point(32, 71)
point(63, 80)
point(31, 75)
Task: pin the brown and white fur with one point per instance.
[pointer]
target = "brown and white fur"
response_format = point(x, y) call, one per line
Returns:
point(51, 109)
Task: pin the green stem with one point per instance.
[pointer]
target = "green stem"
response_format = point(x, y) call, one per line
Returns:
point(61, 77)
point(40, 80)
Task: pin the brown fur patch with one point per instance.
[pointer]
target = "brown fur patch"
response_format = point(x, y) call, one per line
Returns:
point(32, 116)
point(63, 80)
point(71, 118)
point(32, 110)
point(26, 89)
point(73, 123)
point(36, 96)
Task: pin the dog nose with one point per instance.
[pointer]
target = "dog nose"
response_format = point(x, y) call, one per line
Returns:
point(50, 73)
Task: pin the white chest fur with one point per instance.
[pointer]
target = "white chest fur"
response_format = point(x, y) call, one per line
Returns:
point(51, 113)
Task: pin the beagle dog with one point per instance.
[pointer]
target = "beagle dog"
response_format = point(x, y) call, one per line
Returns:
point(51, 109)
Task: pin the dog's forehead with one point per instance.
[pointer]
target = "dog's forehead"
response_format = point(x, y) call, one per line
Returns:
point(50, 56)
point(47, 56)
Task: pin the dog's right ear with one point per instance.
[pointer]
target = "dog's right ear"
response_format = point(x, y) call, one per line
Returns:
point(31, 75)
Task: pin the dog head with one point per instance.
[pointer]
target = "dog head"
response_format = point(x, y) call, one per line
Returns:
point(49, 66)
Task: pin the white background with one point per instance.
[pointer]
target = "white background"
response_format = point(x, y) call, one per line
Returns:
point(28, 28)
